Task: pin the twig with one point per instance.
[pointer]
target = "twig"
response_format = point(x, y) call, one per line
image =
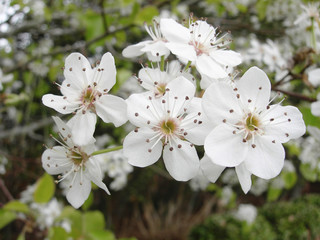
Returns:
point(5, 190)
point(295, 95)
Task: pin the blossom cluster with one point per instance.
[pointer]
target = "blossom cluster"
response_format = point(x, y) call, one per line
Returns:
point(233, 119)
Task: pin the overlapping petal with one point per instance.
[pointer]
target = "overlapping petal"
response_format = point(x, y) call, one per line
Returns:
point(244, 177)
point(174, 32)
point(211, 170)
point(59, 103)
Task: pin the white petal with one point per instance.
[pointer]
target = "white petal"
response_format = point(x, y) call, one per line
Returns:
point(134, 50)
point(157, 48)
point(180, 93)
point(137, 149)
point(196, 123)
point(94, 173)
point(315, 107)
point(149, 76)
point(105, 73)
point(182, 50)
point(140, 109)
point(54, 160)
point(225, 148)
point(174, 32)
point(78, 70)
point(244, 177)
point(78, 193)
point(211, 170)
point(59, 104)
point(112, 109)
point(287, 123)
point(266, 159)
point(83, 126)
point(254, 87)
point(220, 102)
point(314, 132)
point(182, 161)
point(207, 66)
point(226, 57)
point(64, 131)
point(314, 77)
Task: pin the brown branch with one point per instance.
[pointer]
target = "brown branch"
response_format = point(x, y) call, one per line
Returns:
point(295, 95)
point(5, 190)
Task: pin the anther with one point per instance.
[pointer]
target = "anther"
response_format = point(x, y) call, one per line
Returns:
point(224, 120)
point(271, 119)
point(253, 145)
point(231, 110)
point(171, 148)
point(136, 114)
point(187, 98)
point(287, 134)
point(70, 69)
point(289, 120)
point(273, 141)
point(244, 140)
point(238, 95)
point(249, 100)
point(83, 69)
point(179, 145)
point(136, 130)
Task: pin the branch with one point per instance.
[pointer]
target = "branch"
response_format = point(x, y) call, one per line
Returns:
point(295, 95)
point(5, 190)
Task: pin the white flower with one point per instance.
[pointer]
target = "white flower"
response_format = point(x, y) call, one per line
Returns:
point(310, 11)
point(154, 48)
point(246, 212)
point(85, 91)
point(315, 106)
point(310, 153)
point(172, 123)
point(314, 77)
point(199, 182)
point(249, 132)
point(200, 44)
point(4, 78)
point(75, 163)
point(155, 80)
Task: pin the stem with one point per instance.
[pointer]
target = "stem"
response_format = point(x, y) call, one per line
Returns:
point(162, 63)
point(106, 150)
point(187, 66)
point(313, 36)
point(5, 190)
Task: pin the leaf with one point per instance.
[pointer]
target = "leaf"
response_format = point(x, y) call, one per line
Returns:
point(146, 14)
point(308, 173)
point(290, 179)
point(44, 189)
point(273, 194)
point(308, 117)
point(93, 221)
point(57, 233)
point(101, 235)
point(87, 204)
point(6, 217)
point(17, 206)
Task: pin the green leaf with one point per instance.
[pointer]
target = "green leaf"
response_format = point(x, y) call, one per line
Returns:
point(308, 173)
point(44, 189)
point(309, 118)
point(273, 194)
point(290, 179)
point(57, 233)
point(17, 206)
point(101, 235)
point(6, 217)
point(93, 221)
point(87, 204)
point(261, 8)
point(146, 14)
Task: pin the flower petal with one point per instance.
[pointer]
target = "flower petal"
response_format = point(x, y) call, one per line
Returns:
point(157, 48)
point(315, 107)
point(141, 109)
point(136, 147)
point(181, 160)
point(207, 66)
point(244, 177)
point(134, 50)
point(226, 57)
point(284, 123)
point(79, 191)
point(220, 102)
point(105, 73)
point(174, 32)
point(54, 160)
point(78, 71)
point(149, 76)
point(59, 103)
point(83, 126)
point(266, 159)
point(64, 131)
point(314, 77)
point(185, 51)
point(225, 148)
point(254, 89)
point(112, 109)
point(211, 170)
point(94, 173)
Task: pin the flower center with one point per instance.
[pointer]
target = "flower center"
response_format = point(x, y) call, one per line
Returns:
point(168, 127)
point(89, 96)
point(252, 122)
point(199, 48)
point(161, 89)
point(79, 158)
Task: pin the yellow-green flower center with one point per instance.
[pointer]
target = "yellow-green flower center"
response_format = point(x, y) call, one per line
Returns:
point(79, 158)
point(252, 122)
point(168, 126)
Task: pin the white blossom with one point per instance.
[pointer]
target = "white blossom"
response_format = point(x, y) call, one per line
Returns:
point(249, 132)
point(246, 212)
point(86, 93)
point(75, 163)
point(201, 45)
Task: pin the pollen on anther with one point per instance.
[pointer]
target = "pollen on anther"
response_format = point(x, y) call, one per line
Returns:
point(171, 148)
point(285, 114)
point(200, 122)
point(234, 132)
point(136, 114)
point(149, 150)
point(231, 111)
point(244, 140)
point(148, 140)
point(271, 119)
point(273, 141)
point(185, 133)
point(287, 134)
point(224, 120)
point(187, 98)
point(289, 120)
point(249, 100)
point(83, 69)
point(68, 85)
point(179, 145)
point(70, 69)
point(148, 122)
point(195, 121)
point(136, 130)
point(163, 101)
point(238, 95)
point(253, 145)
point(235, 89)
point(260, 88)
